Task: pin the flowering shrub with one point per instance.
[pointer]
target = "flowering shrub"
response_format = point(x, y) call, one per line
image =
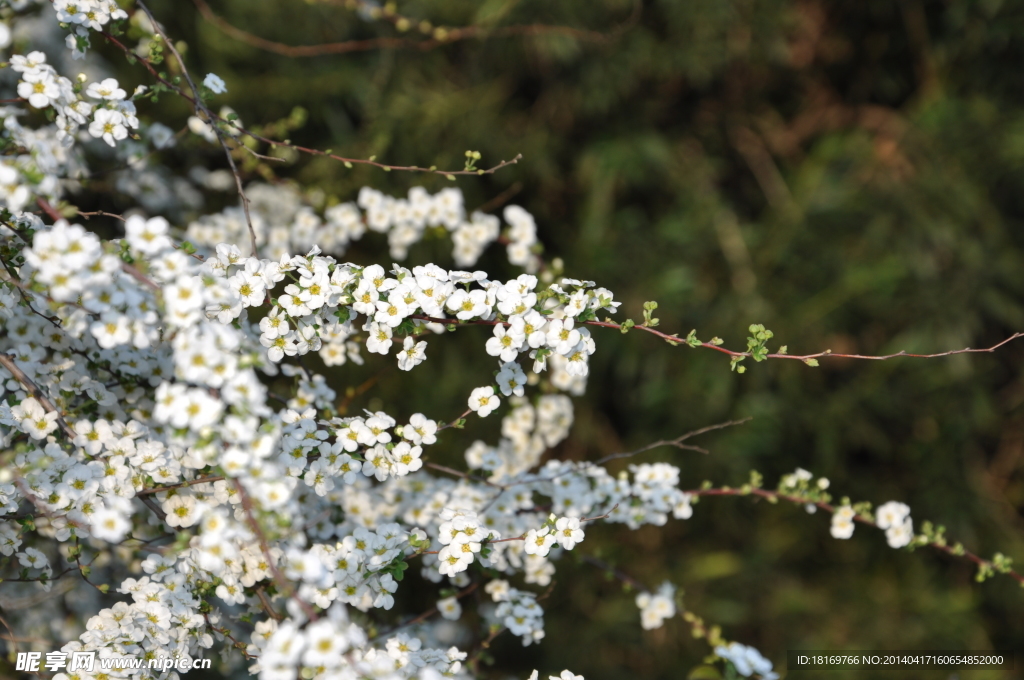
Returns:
point(143, 440)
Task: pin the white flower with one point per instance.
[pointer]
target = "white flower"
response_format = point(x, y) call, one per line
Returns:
point(110, 525)
point(654, 609)
point(181, 510)
point(842, 522)
point(483, 401)
point(899, 535)
point(511, 379)
point(538, 542)
point(498, 589)
point(468, 305)
point(111, 330)
point(413, 353)
point(147, 236)
point(108, 125)
point(568, 532)
point(406, 458)
point(216, 85)
point(34, 419)
point(506, 343)
point(420, 430)
point(891, 514)
point(561, 336)
point(747, 660)
point(325, 643)
point(108, 89)
point(39, 88)
point(33, 559)
point(450, 608)
point(379, 338)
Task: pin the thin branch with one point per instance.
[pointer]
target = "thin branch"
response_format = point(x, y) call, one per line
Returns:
point(279, 579)
point(776, 496)
point(7, 361)
point(698, 627)
point(201, 107)
point(158, 489)
point(213, 119)
point(151, 504)
point(677, 442)
point(676, 340)
point(131, 270)
point(456, 421)
point(427, 614)
point(463, 475)
point(501, 198)
point(240, 646)
point(441, 36)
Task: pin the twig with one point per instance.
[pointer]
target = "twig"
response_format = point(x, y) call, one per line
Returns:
point(442, 36)
point(676, 340)
point(158, 489)
point(776, 496)
point(302, 149)
point(7, 361)
point(125, 267)
point(501, 198)
point(271, 612)
point(698, 627)
point(677, 442)
point(456, 421)
point(279, 579)
point(240, 646)
point(201, 107)
point(427, 614)
point(149, 503)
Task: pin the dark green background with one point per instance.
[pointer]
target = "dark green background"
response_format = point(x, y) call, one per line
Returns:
point(848, 173)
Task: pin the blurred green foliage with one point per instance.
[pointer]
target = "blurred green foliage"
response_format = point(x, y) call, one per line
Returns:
point(850, 173)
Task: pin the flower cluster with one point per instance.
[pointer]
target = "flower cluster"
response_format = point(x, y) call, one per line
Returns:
point(747, 660)
point(105, 109)
point(284, 221)
point(462, 537)
point(654, 609)
point(83, 15)
point(517, 610)
point(894, 517)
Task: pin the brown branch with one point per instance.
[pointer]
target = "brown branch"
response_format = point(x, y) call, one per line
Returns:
point(158, 489)
point(200, 107)
point(427, 614)
point(697, 625)
point(279, 579)
point(213, 119)
point(456, 421)
point(501, 198)
point(677, 442)
point(676, 340)
point(265, 601)
point(100, 213)
point(7, 361)
point(441, 36)
point(776, 496)
point(149, 503)
point(55, 215)
point(240, 646)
